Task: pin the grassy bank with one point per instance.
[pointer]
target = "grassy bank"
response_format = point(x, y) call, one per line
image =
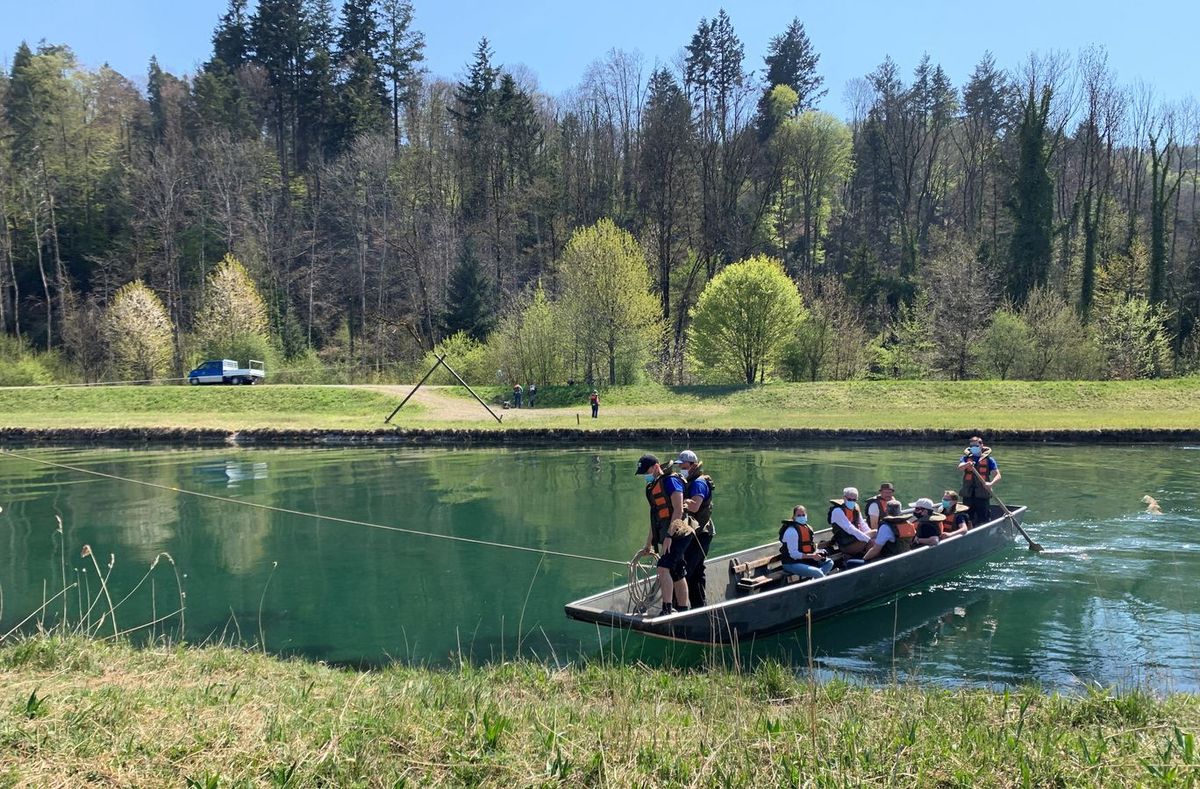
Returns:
point(76, 711)
point(1011, 405)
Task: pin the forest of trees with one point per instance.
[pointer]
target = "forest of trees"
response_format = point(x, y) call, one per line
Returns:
point(1039, 222)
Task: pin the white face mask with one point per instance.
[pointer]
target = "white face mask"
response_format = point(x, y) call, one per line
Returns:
point(683, 472)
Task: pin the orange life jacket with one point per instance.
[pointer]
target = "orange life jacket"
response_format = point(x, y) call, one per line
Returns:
point(804, 536)
point(972, 487)
point(660, 500)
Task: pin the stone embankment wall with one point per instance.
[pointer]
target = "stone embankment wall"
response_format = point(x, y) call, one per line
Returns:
point(642, 437)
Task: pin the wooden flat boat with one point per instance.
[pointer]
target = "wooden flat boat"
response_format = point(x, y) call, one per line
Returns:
point(751, 596)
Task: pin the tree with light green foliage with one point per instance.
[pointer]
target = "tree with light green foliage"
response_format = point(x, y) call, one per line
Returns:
point(607, 303)
point(743, 320)
point(232, 322)
point(528, 344)
point(1005, 344)
point(139, 333)
point(470, 358)
point(814, 152)
point(1132, 335)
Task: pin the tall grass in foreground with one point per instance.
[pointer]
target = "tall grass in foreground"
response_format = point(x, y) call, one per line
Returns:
point(77, 710)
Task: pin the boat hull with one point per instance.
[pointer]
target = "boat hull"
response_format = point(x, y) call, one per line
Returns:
point(734, 616)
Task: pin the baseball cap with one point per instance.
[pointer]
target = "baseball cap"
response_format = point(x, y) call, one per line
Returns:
point(687, 456)
point(923, 504)
point(645, 463)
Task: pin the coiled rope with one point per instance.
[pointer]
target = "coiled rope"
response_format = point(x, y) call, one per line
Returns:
point(643, 577)
point(314, 515)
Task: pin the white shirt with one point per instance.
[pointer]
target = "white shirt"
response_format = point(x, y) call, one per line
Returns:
point(886, 534)
point(791, 541)
point(839, 519)
point(875, 511)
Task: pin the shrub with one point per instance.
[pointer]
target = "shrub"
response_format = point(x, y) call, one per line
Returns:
point(139, 333)
point(743, 320)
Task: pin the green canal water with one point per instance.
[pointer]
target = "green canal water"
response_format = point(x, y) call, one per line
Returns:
point(1113, 600)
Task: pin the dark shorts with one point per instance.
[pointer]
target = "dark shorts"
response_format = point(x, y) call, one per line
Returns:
point(675, 559)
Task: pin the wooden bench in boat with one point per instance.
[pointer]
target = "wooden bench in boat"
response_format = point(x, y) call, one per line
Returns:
point(749, 579)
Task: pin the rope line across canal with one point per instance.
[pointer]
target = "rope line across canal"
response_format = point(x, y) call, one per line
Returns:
point(317, 516)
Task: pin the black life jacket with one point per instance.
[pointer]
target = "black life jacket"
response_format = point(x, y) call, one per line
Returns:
point(804, 534)
point(841, 537)
point(703, 515)
point(927, 528)
point(972, 487)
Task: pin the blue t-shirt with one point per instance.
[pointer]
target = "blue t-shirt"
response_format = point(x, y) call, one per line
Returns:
point(698, 487)
point(672, 484)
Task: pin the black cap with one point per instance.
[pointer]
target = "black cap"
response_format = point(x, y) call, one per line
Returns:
point(645, 463)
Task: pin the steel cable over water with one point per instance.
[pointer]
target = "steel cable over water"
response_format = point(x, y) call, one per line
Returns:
point(317, 516)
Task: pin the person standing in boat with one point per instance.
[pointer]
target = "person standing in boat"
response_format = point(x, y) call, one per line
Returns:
point(851, 534)
point(670, 535)
point(877, 504)
point(956, 519)
point(928, 522)
point(798, 552)
point(697, 499)
point(664, 492)
point(980, 474)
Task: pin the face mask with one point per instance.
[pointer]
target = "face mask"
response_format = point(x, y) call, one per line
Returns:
point(947, 504)
point(920, 514)
point(648, 477)
point(851, 505)
point(976, 451)
point(801, 519)
point(683, 472)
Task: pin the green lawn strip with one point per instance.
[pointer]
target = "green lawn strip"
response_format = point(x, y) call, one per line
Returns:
point(73, 711)
point(858, 405)
point(279, 406)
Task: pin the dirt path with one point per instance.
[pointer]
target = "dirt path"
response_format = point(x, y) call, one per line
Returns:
point(441, 406)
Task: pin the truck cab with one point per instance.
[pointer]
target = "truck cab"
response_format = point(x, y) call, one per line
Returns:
point(227, 371)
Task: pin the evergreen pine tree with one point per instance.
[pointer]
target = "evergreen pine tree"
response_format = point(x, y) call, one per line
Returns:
point(1032, 200)
point(402, 51)
point(470, 306)
point(363, 100)
point(792, 61)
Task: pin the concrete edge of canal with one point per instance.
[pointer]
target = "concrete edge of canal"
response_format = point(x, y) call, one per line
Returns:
point(649, 437)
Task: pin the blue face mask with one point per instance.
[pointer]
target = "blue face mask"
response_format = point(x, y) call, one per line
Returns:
point(851, 505)
point(648, 477)
point(976, 451)
point(947, 504)
point(801, 519)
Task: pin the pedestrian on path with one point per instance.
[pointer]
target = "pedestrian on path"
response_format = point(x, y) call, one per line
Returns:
point(595, 401)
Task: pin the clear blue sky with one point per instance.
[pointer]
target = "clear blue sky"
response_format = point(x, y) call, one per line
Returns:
point(1155, 42)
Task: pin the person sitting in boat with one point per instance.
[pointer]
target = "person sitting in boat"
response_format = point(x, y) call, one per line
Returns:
point(895, 536)
point(980, 474)
point(672, 566)
point(928, 522)
point(798, 552)
point(851, 534)
point(697, 500)
point(877, 505)
point(955, 513)
point(664, 492)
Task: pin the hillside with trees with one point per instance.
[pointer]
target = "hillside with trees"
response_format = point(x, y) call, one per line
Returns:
point(312, 195)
